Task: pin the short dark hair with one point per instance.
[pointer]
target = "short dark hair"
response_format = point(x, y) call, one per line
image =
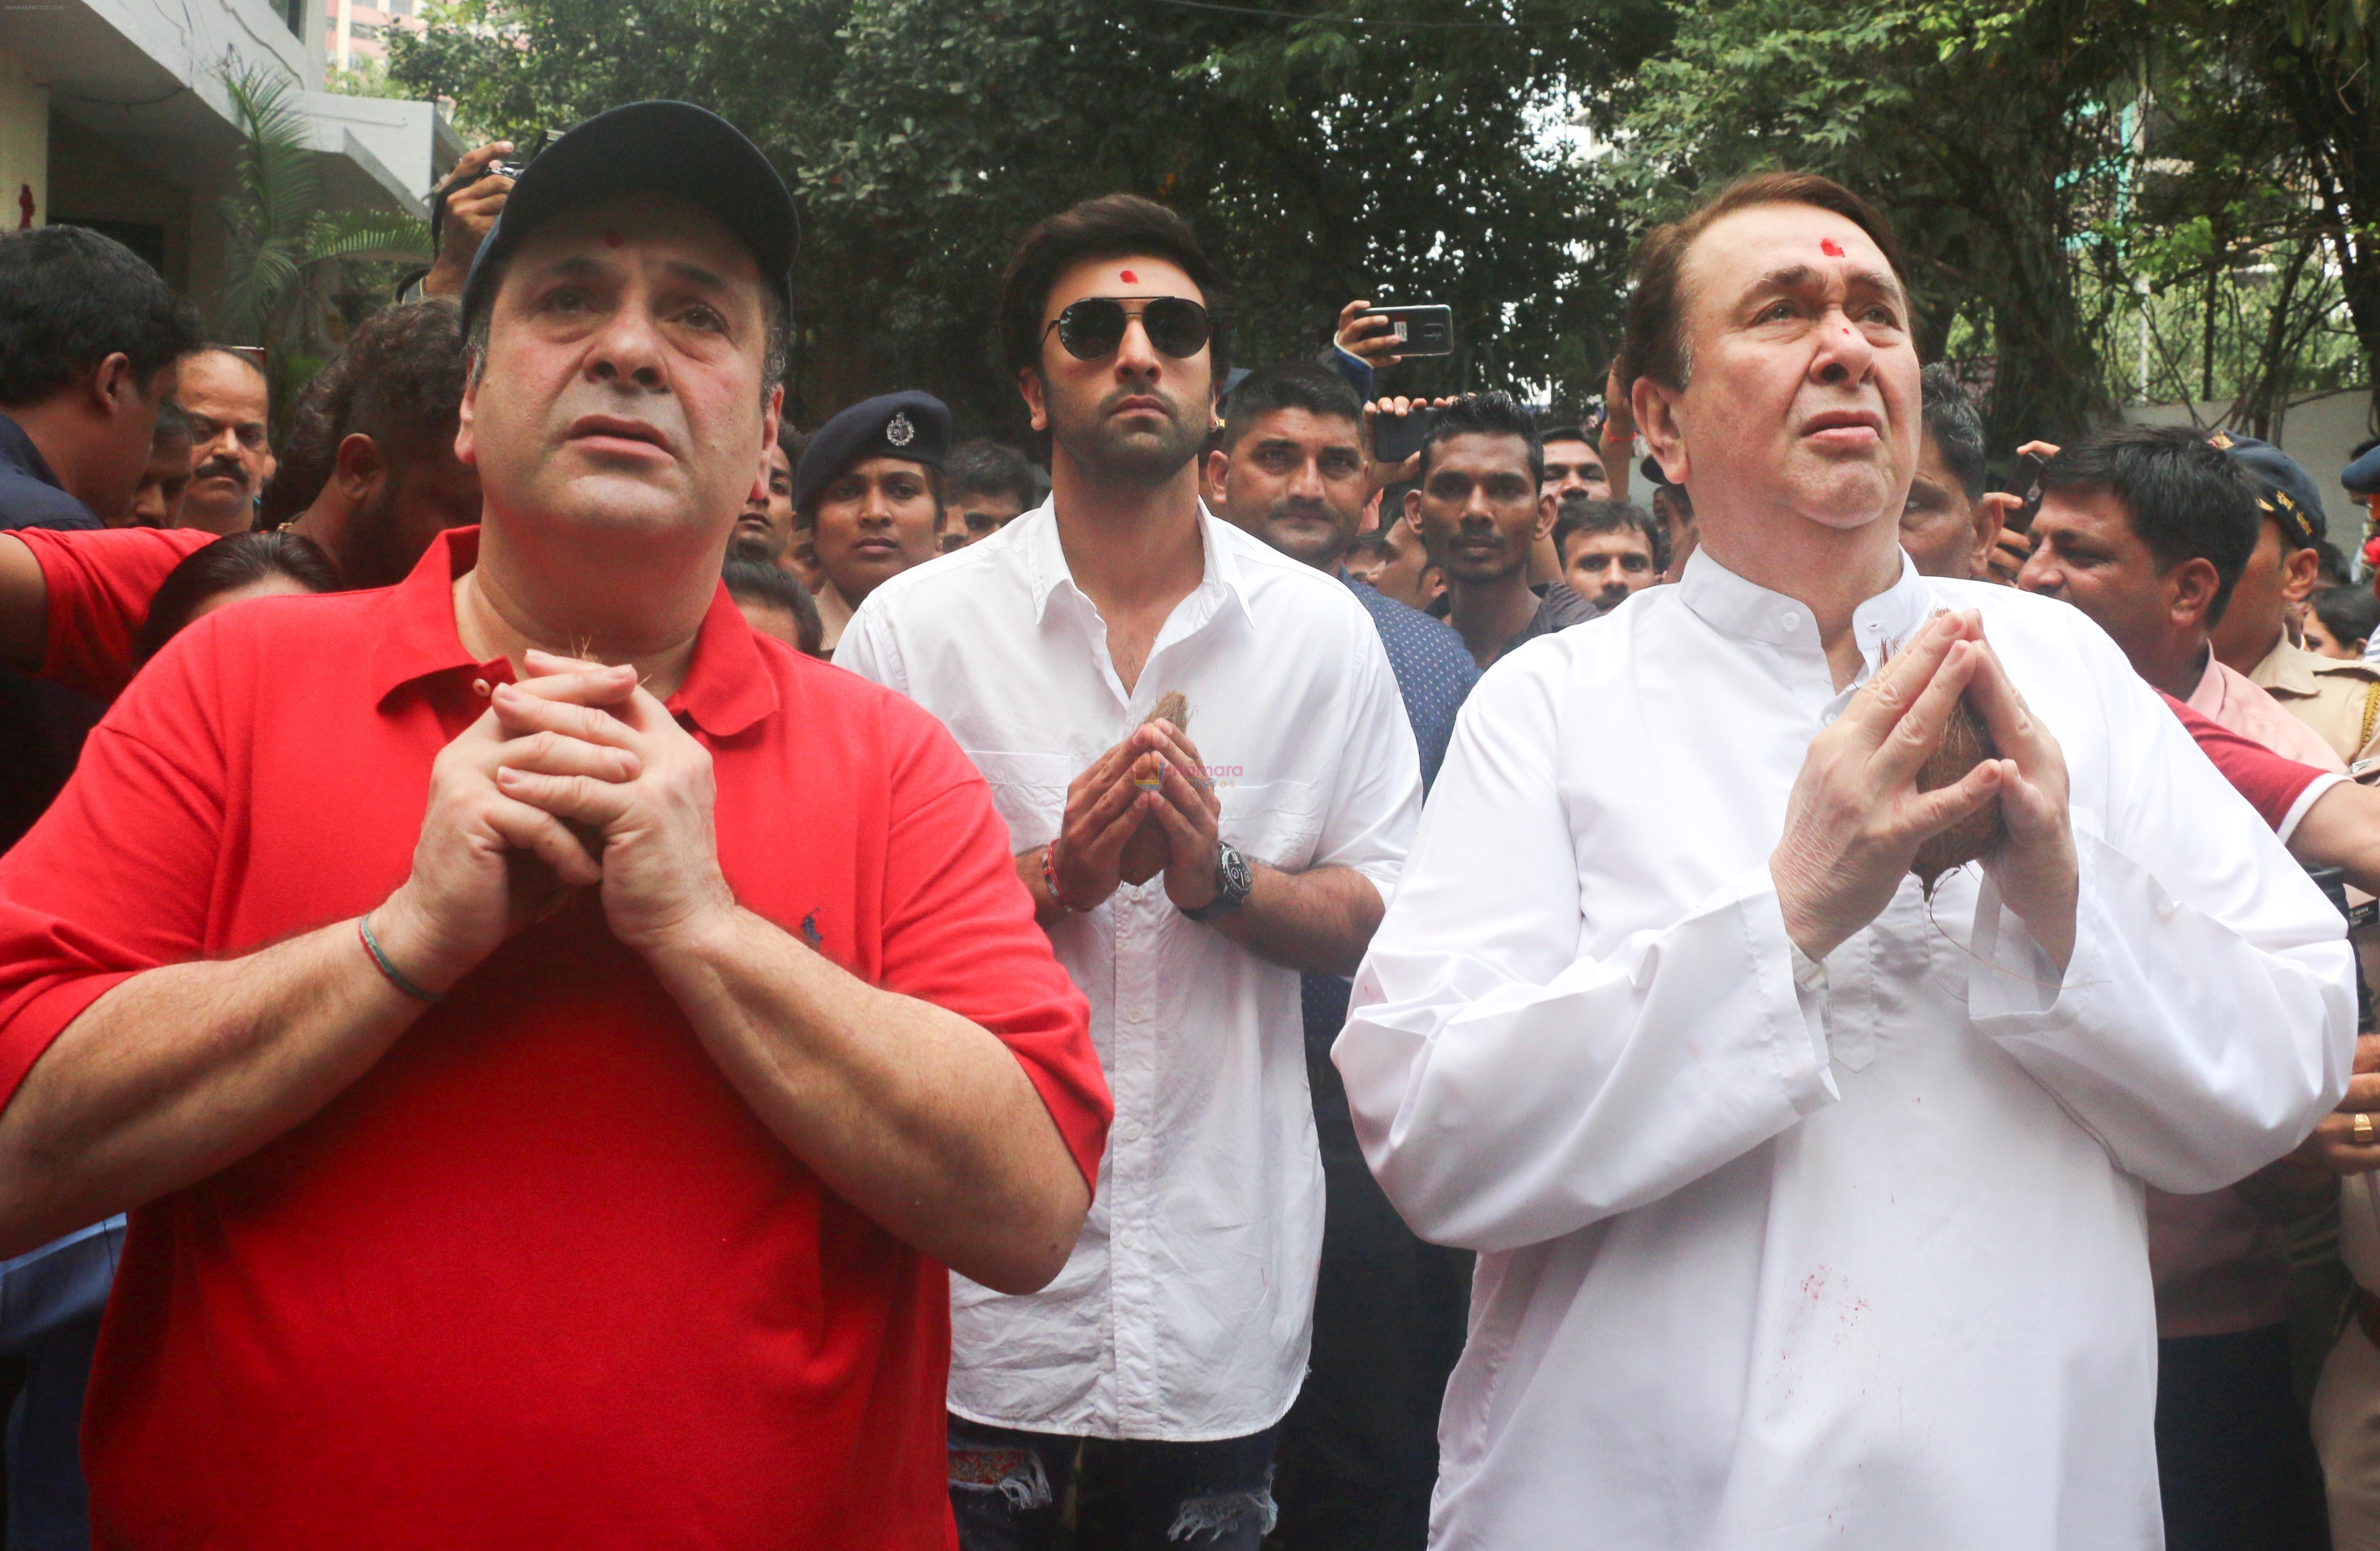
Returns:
point(70, 297)
point(1493, 413)
point(1653, 337)
point(230, 563)
point(1112, 227)
point(1567, 431)
point(2347, 613)
point(2185, 497)
point(980, 466)
point(754, 582)
point(1375, 542)
point(1950, 419)
point(399, 381)
point(791, 440)
point(1581, 514)
point(1299, 384)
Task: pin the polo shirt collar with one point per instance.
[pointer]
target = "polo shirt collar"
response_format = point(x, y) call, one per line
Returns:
point(1222, 582)
point(727, 687)
point(1728, 603)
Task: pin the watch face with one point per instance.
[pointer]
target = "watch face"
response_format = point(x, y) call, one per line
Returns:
point(1237, 879)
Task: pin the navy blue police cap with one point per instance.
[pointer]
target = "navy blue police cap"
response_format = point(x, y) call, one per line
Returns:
point(2290, 495)
point(911, 425)
point(2363, 476)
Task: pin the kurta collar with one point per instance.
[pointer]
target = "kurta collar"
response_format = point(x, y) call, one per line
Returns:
point(1727, 601)
point(727, 685)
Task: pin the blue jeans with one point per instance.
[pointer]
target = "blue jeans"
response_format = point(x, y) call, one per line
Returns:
point(1009, 1492)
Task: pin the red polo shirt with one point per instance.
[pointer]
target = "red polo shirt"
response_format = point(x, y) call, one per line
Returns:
point(538, 1278)
point(100, 583)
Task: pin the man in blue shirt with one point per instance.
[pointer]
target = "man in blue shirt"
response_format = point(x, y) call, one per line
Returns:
point(1358, 1452)
point(89, 338)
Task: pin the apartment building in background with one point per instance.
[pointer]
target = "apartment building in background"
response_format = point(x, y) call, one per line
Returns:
point(114, 114)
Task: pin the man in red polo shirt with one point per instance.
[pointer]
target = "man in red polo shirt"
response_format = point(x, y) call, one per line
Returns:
point(547, 1093)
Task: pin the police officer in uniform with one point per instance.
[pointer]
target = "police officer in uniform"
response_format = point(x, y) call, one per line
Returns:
point(867, 493)
point(2338, 700)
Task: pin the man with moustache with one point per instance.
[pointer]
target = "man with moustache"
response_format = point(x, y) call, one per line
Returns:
point(371, 476)
point(551, 1039)
point(1359, 1451)
point(1208, 783)
point(1574, 466)
point(765, 531)
point(226, 399)
point(1809, 1194)
point(868, 491)
point(1609, 550)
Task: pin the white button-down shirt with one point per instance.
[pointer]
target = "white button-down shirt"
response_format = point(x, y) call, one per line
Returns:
point(1864, 1264)
point(1185, 1309)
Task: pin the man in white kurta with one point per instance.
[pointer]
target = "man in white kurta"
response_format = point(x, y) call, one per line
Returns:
point(1810, 1210)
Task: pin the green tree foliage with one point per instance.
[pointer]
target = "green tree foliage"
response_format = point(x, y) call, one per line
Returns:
point(1402, 158)
point(1986, 131)
point(2073, 178)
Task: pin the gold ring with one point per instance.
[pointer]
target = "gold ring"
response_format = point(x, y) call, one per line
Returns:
point(2363, 1131)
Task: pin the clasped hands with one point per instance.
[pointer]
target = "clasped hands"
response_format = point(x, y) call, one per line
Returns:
point(1146, 806)
point(1855, 818)
point(576, 777)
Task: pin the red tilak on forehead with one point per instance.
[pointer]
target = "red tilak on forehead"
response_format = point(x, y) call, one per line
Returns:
point(612, 240)
point(1830, 248)
point(1129, 278)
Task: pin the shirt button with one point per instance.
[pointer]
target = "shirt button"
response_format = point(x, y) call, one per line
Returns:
point(1792, 621)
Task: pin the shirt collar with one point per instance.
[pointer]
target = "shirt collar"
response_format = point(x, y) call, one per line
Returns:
point(1221, 583)
point(1727, 601)
point(727, 687)
point(18, 451)
point(2288, 669)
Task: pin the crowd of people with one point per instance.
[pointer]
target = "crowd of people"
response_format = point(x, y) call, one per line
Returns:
point(581, 965)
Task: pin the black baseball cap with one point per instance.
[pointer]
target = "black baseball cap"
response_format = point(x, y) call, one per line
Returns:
point(676, 149)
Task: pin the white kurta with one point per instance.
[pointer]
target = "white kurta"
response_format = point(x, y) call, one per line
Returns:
point(1767, 1268)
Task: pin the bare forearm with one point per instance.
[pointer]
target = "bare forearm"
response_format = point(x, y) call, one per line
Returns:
point(914, 1114)
point(2342, 830)
point(178, 1074)
point(1317, 923)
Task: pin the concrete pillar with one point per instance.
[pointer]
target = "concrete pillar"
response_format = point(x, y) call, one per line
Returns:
point(24, 145)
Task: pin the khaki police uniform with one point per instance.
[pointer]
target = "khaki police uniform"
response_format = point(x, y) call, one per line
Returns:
point(2338, 700)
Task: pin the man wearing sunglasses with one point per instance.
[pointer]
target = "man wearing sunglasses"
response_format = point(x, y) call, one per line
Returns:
point(1183, 885)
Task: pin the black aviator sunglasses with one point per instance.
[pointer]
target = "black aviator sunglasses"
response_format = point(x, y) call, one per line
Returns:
point(1094, 326)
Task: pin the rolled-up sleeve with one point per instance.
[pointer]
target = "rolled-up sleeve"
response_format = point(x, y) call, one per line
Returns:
point(1509, 1089)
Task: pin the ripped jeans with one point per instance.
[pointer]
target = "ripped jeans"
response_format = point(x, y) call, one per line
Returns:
point(1009, 1492)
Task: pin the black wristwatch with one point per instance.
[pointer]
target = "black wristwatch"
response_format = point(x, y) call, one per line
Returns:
point(1233, 881)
